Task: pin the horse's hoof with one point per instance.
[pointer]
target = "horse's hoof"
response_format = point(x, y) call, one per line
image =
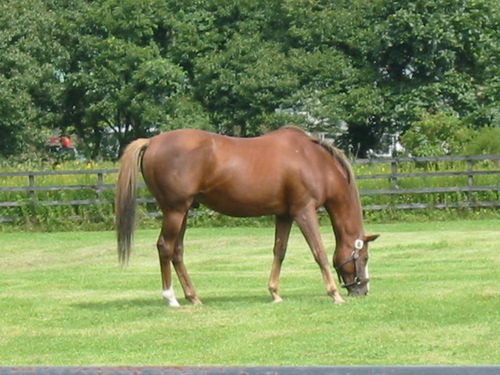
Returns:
point(196, 301)
point(339, 300)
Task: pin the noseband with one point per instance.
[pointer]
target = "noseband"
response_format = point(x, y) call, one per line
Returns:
point(358, 245)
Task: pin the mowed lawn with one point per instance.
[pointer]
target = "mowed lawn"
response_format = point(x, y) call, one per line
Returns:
point(435, 299)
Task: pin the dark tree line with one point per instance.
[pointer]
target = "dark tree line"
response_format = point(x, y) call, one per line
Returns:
point(354, 69)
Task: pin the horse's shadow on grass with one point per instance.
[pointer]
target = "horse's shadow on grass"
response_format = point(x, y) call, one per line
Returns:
point(218, 301)
point(117, 304)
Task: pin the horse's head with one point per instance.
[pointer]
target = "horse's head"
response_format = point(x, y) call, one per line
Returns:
point(352, 266)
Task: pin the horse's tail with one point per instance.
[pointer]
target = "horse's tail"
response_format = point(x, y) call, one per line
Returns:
point(126, 196)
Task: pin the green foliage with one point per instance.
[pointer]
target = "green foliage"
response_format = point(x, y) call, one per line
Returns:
point(240, 85)
point(436, 135)
point(486, 141)
point(109, 71)
point(29, 84)
point(444, 134)
point(439, 56)
point(187, 113)
point(119, 82)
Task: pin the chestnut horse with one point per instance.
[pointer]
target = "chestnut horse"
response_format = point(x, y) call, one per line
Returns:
point(285, 173)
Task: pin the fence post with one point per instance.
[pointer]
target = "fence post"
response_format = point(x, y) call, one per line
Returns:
point(394, 174)
point(31, 184)
point(470, 182)
point(100, 183)
point(32, 197)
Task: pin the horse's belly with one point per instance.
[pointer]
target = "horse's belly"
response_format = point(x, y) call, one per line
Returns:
point(242, 205)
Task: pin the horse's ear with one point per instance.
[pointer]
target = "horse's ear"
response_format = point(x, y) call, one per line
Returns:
point(371, 237)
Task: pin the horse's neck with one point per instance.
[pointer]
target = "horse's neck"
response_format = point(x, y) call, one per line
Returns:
point(347, 218)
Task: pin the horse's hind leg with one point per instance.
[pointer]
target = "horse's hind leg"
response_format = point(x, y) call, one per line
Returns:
point(307, 221)
point(172, 226)
point(180, 268)
point(282, 232)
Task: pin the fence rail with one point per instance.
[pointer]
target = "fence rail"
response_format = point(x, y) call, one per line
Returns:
point(389, 184)
point(395, 176)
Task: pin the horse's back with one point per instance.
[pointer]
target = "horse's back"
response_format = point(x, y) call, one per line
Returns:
point(235, 176)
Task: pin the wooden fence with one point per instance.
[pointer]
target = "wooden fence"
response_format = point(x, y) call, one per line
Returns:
point(427, 169)
point(390, 179)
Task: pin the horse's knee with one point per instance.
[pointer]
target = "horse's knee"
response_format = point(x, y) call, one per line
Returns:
point(176, 259)
point(163, 250)
point(178, 255)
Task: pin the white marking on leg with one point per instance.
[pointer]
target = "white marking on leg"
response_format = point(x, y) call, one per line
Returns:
point(169, 295)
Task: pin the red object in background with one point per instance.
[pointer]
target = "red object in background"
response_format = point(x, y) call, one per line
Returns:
point(65, 142)
point(53, 141)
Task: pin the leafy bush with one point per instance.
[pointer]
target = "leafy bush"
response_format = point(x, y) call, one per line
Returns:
point(486, 141)
point(436, 135)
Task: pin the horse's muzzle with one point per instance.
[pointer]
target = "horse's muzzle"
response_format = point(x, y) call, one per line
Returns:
point(357, 289)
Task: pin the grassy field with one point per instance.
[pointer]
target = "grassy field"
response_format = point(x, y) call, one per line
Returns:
point(435, 299)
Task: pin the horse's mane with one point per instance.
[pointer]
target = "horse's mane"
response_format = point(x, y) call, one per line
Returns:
point(336, 153)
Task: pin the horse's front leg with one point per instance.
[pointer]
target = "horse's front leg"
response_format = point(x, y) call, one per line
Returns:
point(307, 221)
point(282, 233)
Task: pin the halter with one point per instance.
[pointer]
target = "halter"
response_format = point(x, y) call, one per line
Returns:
point(358, 245)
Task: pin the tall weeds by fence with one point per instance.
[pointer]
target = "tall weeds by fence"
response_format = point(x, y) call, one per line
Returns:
point(81, 195)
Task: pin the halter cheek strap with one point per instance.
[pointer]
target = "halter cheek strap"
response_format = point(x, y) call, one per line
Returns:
point(358, 245)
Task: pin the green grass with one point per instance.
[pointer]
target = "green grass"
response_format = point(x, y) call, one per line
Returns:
point(435, 299)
